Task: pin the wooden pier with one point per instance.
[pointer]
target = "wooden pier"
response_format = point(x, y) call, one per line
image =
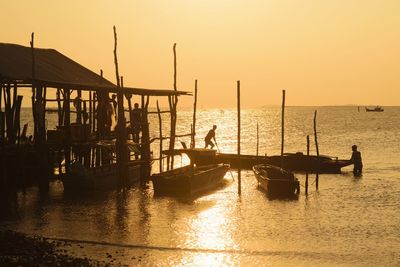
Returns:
point(86, 110)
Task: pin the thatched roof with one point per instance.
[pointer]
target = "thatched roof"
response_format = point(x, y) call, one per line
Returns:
point(54, 69)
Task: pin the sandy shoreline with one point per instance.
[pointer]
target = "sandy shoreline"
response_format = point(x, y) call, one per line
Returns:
point(17, 249)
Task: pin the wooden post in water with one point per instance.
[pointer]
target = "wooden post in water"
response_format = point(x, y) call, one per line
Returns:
point(238, 138)
point(33, 84)
point(173, 102)
point(193, 144)
point(67, 125)
point(283, 126)
point(121, 149)
point(308, 154)
point(316, 146)
point(145, 145)
point(258, 139)
point(1, 115)
point(161, 137)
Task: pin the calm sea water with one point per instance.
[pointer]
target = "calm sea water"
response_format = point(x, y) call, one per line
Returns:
point(348, 221)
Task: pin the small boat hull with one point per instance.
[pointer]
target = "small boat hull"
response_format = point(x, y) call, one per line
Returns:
point(276, 181)
point(189, 180)
point(81, 179)
point(291, 161)
point(376, 109)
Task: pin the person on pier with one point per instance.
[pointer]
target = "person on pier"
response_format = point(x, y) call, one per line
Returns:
point(356, 159)
point(137, 120)
point(209, 136)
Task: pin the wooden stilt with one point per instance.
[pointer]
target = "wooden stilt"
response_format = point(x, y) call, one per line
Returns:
point(121, 130)
point(67, 124)
point(161, 137)
point(90, 111)
point(78, 106)
point(33, 86)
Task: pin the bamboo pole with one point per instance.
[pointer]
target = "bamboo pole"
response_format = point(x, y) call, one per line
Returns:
point(316, 147)
point(193, 145)
point(238, 137)
point(283, 126)
point(161, 137)
point(121, 131)
point(308, 154)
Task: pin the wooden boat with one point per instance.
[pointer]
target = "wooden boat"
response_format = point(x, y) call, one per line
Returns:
point(100, 178)
point(188, 180)
point(375, 109)
point(291, 161)
point(275, 180)
point(298, 162)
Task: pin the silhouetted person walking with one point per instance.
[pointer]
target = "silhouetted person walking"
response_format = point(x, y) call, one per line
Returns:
point(356, 159)
point(209, 136)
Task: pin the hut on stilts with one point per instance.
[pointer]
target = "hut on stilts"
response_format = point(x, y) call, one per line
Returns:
point(83, 142)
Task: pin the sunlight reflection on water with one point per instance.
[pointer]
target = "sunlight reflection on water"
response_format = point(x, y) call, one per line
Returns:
point(348, 221)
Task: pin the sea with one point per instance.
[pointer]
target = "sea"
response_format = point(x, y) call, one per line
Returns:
point(346, 221)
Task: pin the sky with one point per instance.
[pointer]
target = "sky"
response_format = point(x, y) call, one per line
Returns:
point(333, 52)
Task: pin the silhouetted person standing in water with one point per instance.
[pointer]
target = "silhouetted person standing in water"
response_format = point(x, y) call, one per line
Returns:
point(209, 136)
point(137, 121)
point(356, 159)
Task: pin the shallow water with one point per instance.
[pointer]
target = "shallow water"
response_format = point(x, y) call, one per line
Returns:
point(347, 221)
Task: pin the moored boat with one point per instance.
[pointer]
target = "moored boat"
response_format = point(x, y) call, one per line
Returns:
point(275, 180)
point(80, 178)
point(375, 109)
point(189, 180)
point(297, 162)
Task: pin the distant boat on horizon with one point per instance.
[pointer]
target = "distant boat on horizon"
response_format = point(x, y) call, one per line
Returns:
point(375, 109)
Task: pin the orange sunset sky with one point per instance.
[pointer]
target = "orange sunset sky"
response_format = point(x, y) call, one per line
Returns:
point(322, 52)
